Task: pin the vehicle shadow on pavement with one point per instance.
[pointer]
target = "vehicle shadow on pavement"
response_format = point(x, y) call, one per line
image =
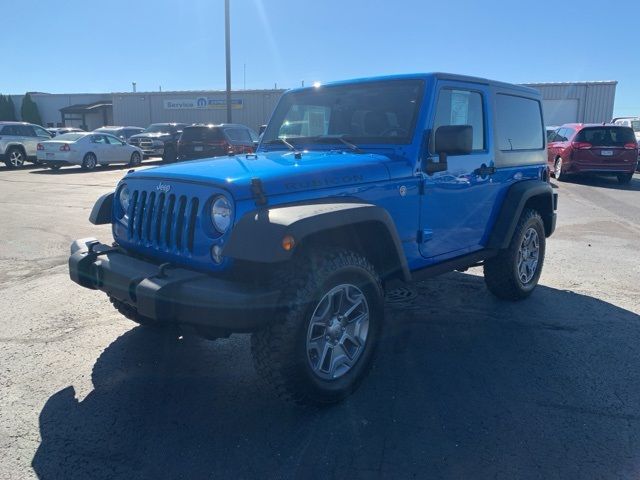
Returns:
point(107, 168)
point(464, 386)
point(602, 182)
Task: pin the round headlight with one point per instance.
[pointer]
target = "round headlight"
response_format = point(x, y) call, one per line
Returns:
point(125, 197)
point(221, 213)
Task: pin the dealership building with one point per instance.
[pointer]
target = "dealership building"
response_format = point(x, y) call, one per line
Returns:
point(582, 102)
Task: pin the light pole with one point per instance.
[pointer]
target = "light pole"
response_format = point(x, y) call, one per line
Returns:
point(227, 42)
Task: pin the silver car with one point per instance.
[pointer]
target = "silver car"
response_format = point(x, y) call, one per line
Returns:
point(19, 142)
point(88, 150)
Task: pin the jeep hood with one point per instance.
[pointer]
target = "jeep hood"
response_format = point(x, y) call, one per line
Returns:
point(279, 172)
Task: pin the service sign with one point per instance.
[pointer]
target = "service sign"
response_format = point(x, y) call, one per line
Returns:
point(202, 103)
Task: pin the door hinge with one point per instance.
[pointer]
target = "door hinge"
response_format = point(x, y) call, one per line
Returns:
point(424, 235)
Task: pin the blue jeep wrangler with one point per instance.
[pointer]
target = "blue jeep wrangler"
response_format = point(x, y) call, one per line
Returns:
point(355, 186)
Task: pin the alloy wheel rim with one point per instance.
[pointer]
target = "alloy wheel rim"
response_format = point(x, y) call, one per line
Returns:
point(558, 170)
point(91, 161)
point(337, 332)
point(15, 158)
point(528, 256)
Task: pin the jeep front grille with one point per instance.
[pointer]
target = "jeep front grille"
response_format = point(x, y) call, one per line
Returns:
point(163, 221)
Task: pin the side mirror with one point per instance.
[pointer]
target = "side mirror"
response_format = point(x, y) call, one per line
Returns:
point(450, 140)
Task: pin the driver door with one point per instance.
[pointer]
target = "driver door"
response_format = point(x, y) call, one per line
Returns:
point(457, 203)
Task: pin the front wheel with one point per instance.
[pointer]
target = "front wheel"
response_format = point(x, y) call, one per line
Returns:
point(15, 157)
point(557, 170)
point(135, 160)
point(169, 155)
point(515, 271)
point(322, 346)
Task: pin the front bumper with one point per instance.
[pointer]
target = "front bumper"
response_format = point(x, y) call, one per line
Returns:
point(171, 294)
point(153, 152)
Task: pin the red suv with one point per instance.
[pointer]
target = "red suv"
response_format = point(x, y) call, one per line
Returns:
point(203, 141)
point(593, 148)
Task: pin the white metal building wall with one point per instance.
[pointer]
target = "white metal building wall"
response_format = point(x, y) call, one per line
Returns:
point(49, 104)
point(141, 109)
point(578, 102)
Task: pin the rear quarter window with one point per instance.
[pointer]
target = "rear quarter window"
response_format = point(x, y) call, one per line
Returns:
point(518, 123)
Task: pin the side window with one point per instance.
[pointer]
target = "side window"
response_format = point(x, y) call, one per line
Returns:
point(114, 140)
point(26, 131)
point(519, 123)
point(98, 139)
point(239, 135)
point(10, 130)
point(461, 107)
point(41, 132)
point(568, 134)
point(560, 135)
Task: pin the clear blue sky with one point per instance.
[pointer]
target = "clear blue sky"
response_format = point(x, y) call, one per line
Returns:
point(84, 46)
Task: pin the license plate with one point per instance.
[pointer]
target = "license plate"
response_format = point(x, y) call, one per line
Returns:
point(197, 149)
point(51, 155)
point(606, 153)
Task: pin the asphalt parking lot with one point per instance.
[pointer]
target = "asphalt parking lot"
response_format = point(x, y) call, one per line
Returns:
point(464, 386)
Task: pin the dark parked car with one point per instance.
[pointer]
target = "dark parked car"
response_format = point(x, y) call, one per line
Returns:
point(159, 140)
point(594, 149)
point(123, 133)
point(203, 141)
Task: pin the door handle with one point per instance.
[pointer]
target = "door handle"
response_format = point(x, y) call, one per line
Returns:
point(483, 170)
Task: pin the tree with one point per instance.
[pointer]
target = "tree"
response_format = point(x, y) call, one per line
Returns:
point(12, 109)
point(30, 111)
point(5, 109)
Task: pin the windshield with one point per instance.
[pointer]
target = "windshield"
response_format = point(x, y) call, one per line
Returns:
point(160, 128)
point(363, 113)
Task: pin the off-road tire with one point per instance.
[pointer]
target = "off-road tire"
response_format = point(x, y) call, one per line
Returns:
point(625, 178)
point(17, 154)
point(279, 351)
point(500, 272)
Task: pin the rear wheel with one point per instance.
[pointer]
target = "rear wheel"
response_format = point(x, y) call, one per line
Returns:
point(15, 157)
point(89, 162)
point(322, 345)
point(515, 271)
point(625, 178)
point(557, 170)
point(136, 159)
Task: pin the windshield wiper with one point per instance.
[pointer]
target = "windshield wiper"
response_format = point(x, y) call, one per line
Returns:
point(283, 141)
point(341, 139)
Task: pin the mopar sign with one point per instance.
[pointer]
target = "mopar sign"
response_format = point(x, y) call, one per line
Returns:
point(202, 103)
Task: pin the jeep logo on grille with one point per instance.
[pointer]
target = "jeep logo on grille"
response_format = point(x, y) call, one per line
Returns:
point(163, 187)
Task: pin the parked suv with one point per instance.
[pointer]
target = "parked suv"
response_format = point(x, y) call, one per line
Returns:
point(202, 141)
point(19, 142)
point(159, 140)
point(387, 180)
point(123, 133)
point(578, 148)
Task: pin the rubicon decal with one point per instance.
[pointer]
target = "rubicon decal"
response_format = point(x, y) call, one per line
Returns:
point(323, 182)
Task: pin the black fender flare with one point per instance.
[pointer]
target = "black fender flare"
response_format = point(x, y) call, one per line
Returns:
point(512, 206)
point(101, 211)
point(257, 236)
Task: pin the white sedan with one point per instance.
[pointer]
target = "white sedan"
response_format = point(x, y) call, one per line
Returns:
point(86, 149)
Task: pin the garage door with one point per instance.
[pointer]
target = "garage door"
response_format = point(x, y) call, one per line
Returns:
point(557, 112)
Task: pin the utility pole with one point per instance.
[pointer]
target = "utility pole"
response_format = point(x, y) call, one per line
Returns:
point(244, 76)
point(227, 42)
point(133, 84)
